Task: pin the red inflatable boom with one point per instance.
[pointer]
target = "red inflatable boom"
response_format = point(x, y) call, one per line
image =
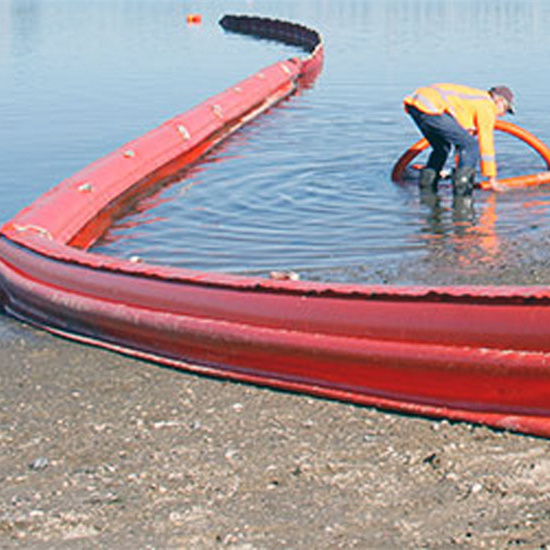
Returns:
point(480, 354)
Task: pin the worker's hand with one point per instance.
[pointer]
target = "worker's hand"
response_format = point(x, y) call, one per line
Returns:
point(495, 185)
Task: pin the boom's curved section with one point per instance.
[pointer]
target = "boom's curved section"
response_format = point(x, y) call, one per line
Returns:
point(527, 180)
point(479, 354)
point(282, 31)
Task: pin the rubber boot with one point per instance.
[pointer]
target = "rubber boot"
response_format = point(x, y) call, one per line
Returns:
point(428, 180)
point(463, 181)
point(428, 187)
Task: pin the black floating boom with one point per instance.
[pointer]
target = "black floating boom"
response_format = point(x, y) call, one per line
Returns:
point(273, 29)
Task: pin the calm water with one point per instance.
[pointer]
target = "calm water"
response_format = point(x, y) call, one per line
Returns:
point(305, 187)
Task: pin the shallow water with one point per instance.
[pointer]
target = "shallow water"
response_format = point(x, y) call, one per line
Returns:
point(307, 186)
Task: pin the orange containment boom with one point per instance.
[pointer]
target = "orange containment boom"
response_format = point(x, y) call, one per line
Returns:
point(480, 354)
point(528, 180)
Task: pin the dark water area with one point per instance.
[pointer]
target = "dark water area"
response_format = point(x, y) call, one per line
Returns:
point(305, 187)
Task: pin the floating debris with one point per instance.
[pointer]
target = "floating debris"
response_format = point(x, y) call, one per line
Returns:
point(284, 276)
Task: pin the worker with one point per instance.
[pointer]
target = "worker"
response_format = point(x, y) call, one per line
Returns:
point(447, 115)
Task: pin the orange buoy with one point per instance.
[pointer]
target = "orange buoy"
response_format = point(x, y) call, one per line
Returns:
point(194, 18)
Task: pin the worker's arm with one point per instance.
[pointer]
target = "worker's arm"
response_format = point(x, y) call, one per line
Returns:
point(485, 123)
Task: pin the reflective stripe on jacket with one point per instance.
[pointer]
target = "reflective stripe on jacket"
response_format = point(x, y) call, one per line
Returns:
point(472, 108)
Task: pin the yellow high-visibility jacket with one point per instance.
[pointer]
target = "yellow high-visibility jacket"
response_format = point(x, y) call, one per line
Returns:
point(473, 109)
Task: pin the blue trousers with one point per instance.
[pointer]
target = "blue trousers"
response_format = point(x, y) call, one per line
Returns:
point(443, 132)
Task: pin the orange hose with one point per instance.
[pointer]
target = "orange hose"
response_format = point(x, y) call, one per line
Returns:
point(528, 180)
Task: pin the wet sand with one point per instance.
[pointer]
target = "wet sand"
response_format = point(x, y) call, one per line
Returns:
point(102, 451)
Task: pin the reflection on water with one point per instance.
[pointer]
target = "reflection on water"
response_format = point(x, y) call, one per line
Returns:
point(468, 231)
point(307, 186)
